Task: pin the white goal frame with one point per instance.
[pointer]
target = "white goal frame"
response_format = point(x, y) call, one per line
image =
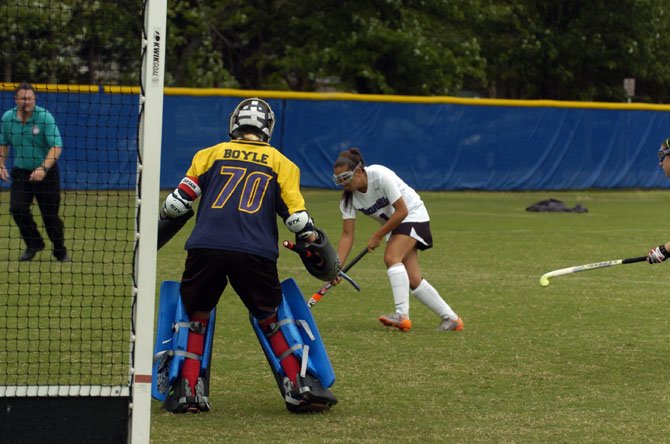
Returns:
point(149, 143)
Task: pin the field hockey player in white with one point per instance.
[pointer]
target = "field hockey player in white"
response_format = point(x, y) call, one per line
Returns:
point(378, 192)
point(661, 253)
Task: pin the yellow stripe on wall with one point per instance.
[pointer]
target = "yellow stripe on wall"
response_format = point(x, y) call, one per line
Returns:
point(51, 87)
point(242, 93)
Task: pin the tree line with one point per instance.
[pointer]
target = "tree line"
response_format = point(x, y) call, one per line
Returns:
point(518, 49)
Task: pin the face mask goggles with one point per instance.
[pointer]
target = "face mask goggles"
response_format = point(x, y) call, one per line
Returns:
point(345, 177)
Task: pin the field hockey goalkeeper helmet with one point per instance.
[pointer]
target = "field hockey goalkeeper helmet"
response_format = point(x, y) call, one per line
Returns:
point(252, 116)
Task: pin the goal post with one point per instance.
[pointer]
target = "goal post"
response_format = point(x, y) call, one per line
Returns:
point(151, 124)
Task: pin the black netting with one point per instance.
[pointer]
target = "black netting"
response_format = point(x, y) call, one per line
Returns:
point(68, 322)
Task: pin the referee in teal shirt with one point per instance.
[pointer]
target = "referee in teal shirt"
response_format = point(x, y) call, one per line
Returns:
point(36, 144)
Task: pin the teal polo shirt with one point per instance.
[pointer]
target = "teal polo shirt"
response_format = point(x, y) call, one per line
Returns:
point(30, 142)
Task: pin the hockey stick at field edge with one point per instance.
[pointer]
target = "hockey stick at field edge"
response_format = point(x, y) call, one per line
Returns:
point(544, 280)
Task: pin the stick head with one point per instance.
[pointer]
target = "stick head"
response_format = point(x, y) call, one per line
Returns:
point(544, 281)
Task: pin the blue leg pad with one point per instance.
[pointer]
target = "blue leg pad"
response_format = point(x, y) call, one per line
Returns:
point(300, 333)
point(172, 340)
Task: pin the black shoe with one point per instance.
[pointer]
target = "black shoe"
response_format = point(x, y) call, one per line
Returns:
point(64, 258)
point(30, 253)
point(181, 399)
point(319, 397)
point(308, 397)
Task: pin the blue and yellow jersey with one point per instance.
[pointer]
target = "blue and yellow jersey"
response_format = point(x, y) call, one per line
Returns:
point(245, 185)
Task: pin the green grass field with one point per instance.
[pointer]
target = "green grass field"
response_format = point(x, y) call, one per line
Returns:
point(69, 323)
point(583, 360)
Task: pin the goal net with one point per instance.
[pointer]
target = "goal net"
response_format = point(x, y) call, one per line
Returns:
point(69, 229)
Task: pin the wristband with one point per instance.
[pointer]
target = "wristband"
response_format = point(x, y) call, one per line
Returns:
point(663, 251)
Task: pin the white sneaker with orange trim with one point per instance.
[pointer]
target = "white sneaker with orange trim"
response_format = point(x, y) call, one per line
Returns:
point(451, 325)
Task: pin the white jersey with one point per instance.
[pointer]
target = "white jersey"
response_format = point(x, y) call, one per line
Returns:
point(384, 188)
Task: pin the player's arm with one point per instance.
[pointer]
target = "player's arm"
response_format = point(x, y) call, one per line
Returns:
point(391, 224)
point(180, 201)
point(346, 242)
point(177, 209)
point(312, 244)
point(295, 216)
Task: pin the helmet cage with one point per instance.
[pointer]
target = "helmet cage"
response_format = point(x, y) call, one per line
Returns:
point(254, 116)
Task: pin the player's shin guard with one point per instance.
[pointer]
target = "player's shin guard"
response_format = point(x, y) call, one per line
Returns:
point(291, 338)
point(173, 349)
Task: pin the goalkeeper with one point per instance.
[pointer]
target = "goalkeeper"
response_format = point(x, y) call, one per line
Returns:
point(243, 184)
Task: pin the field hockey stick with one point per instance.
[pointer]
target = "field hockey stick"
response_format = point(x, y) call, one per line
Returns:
point(316, 297)
point(544, 280)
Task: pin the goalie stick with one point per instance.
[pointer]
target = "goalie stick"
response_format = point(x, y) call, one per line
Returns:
point(316, 297)
point(544, 280)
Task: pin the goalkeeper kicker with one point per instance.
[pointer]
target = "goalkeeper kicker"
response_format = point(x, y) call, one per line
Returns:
point(242, 184)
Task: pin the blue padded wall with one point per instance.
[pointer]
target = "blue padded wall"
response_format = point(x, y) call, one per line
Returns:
point(433, 146)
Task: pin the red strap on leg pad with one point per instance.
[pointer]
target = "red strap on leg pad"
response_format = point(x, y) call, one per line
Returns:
point(196, 345)
point(288, 361)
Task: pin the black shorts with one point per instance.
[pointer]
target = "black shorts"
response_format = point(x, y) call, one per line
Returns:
point(420, 231)
point(207, 272)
